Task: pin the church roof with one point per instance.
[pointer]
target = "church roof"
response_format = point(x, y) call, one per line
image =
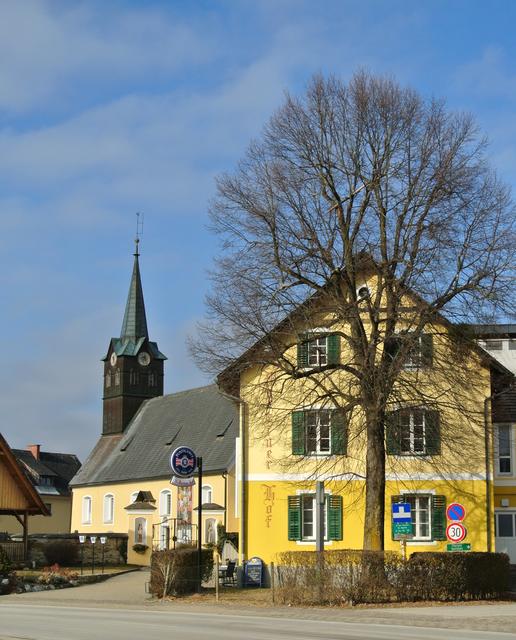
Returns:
point(203, 419)
point(134, 325)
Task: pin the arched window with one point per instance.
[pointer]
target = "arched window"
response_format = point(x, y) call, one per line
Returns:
point(117, 377)
point(152, 379)
point(140, 531)
point(134, 377)
point(207, 494)
point(109, 508)
point(165, 503)
point(210, 531)
point(108, 379)
point(86, 510)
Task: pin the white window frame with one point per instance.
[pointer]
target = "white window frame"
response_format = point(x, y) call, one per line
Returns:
point(497, 524)
point(412, 436)
point(87, 511)
point(311, 539)
point(509, 457)
point(165, 503)
point(206, 489)
point(143, 521)
point(317, 451)
point(416, 519)
point(319, 344)
point(108, 509)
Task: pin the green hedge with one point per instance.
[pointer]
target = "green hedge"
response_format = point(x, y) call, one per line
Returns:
point(365, 576)
point(174, 572)
point(455, 576)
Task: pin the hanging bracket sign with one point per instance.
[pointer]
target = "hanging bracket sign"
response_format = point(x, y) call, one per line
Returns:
point(183, 462)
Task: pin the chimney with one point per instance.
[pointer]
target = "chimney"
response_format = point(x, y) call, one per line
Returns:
point(34, 449)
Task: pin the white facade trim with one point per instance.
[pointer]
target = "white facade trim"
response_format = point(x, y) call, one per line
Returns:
point(405, 477)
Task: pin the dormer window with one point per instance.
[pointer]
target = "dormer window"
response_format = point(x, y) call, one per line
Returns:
point(46, 481)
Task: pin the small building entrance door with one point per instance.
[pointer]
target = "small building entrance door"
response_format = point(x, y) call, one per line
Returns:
point(505, 532)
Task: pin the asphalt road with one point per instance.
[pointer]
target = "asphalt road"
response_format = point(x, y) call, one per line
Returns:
point(36, 622)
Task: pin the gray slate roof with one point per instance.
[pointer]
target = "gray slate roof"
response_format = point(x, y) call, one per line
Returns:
point(201, 418)
point(61, 467)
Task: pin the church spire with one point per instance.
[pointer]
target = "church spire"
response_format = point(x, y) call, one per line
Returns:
point(134, 325)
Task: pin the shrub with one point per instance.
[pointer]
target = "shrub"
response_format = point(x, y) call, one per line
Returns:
point(57, 576)
point(5, 562)
point(62, 552)
point(344, 576)
point(140, 548)
point(175, 571)
point(366, 576)
point(455, 576)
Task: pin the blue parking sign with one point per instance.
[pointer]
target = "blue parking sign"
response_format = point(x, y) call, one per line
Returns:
point(401, 512)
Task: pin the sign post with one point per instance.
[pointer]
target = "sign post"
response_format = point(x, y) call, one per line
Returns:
point(184, 462)
point(402, 527)
point(319, 533)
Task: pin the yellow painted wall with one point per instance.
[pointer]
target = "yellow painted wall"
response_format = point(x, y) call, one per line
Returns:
point(124, 521)
point(58, 522)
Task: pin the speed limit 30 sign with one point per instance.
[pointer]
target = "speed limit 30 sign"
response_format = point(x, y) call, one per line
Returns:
point(456, 532)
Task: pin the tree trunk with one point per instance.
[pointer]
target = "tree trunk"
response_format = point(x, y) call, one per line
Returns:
point(375, 484)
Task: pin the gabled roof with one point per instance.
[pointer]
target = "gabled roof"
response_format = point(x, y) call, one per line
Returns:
point(35, 505)
point(61, 467)
point(365, 265)
point(203, 419)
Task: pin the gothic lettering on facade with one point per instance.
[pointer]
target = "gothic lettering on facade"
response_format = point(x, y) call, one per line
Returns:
point(268, 501)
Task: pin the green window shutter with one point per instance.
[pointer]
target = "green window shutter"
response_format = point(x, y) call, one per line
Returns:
point(427, 349)
point(302, 351)
point(394, 500)
point(334, 517)
point(438, 517)
point(339, 432)
point(298, 433)
point(333, 346)
point(392, 433)
point(432, 432)
point(294, 517)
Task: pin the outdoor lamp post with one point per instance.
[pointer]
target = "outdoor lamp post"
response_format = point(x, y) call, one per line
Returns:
point(103, 540)
point(93, 539)
point(82, 540)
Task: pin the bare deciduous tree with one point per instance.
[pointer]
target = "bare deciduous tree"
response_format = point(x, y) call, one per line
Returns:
point(349, 182)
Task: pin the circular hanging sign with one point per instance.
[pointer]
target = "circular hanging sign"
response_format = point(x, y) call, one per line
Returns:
point(456, 532)
point(455, 512)
point(183, 462)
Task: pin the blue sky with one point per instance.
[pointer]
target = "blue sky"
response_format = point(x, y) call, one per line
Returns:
point(108, 108)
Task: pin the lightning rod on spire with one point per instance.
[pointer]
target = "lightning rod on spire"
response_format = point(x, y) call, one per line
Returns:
point(139, 230)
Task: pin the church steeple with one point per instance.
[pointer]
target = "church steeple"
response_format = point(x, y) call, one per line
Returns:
point(134, 325)
point(133, 365)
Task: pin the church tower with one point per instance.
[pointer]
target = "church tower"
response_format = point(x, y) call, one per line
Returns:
point(133, 365)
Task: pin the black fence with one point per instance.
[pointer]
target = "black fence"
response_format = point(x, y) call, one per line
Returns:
point(171, 532)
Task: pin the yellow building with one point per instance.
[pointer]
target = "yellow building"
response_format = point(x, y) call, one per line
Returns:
point(124, 486)
point(439, 441)
point(50, 474)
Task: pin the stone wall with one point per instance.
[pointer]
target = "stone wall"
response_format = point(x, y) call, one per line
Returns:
point(115, 549)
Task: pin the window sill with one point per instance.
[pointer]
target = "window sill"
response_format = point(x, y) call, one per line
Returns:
point(306, 543)
point(421, 543)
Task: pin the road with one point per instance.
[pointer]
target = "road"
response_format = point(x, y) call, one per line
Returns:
point(37, 622)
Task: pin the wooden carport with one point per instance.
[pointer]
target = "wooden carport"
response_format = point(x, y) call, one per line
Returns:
point(18, 496)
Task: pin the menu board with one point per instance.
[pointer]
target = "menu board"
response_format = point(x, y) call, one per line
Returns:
point(254, 572)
